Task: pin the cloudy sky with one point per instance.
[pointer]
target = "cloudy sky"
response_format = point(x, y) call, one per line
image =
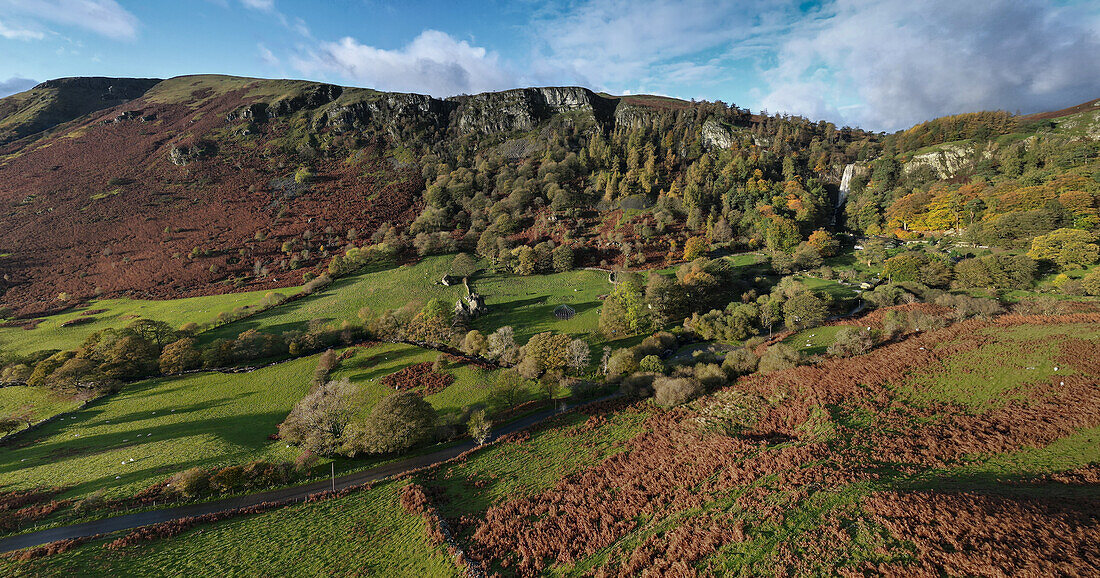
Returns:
point(881, 65)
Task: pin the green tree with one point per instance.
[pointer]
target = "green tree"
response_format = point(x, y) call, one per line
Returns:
point(318, 421)
point(475, 343)
point(563, 258)
point(903, 268)
point(1067, 248)
point(548, 351)
point(179, 356)
point(526, 260)
point(396, 423)
point(624, 312)
point(479, 426)
point(463, 265)
point(509, 386)
point(804, 310)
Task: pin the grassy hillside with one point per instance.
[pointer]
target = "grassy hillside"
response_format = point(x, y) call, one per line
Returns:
point(50, 333)
point(165, 425)
point(845, 465)
point(525, 303)
point(366, 534)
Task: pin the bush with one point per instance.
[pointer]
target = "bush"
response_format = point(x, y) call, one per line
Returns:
point(651, 364)
point(638, 385)
point(674, 391)
point(851, 341)
point(710, 375)
point(621, 362)
point(191, 483)
point(779, 356)
point(1091, 282)
point(740, 361)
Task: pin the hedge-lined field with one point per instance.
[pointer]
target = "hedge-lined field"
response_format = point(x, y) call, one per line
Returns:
point(49, 334)
point(362, 534)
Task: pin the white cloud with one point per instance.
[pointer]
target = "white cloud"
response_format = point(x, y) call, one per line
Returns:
point(103, 17)
point(15, 84)
point(433, 63)
point(905, 61)
point(268, 7)
point(19, 33)
point(261, 5)
point(621, 44)
point(267, 56)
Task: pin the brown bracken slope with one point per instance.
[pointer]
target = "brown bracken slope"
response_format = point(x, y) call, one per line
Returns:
point(98, 207)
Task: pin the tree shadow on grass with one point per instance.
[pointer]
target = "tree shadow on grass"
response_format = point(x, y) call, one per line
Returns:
point(248, 431)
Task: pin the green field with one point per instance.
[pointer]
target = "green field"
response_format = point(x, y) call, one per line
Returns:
point(121, 312)
point(999, 371)
point(363, 534)
point(41, 403)
point(472, 385)
point(205, 419)
point(818, 339)
point(165, 426)
point(525, 303)
point(506, 471)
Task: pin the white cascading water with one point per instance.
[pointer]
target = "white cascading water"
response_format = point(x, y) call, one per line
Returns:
point(842, 195)
point(845, 184)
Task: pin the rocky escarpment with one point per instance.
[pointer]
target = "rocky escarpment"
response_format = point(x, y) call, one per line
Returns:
point(398, 114)
point(61, 100)
point(523, 109)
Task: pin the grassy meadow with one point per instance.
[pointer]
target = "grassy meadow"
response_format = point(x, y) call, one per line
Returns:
point(366, 533)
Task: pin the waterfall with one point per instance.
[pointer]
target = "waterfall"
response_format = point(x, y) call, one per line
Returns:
point(842, 195)
point(845, 185)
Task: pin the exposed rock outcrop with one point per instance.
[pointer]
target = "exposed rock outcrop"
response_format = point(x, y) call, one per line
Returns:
point(716, 136)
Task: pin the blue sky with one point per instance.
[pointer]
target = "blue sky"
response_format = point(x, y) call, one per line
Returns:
point(882, 65)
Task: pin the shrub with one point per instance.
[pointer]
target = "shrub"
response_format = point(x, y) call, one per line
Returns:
point(191, 483)
point(638, 385)
point(651, 364)
point(710, 375)
point(315, 283)
point(779, 356)
point(740, 361)
point(674, 391)
point(621, 362)
point(851, 341)
point(1091, 282)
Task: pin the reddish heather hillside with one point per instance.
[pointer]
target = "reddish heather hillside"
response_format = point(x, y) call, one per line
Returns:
point(167, 196)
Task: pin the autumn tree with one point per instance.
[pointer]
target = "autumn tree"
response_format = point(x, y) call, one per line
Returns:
point(695, 248)
point(825, 243)
point(1067, 248)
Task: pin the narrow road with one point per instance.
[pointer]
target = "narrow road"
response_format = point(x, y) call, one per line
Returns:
point(139, 519)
